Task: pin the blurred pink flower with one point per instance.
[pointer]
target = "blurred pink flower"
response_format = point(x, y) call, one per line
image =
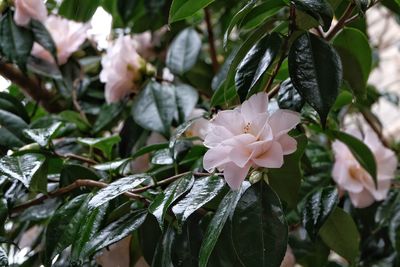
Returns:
point(25, 10)
point(249, 136)
point(121, 67)
point(353, 178)
point(289, 260)
point(144, 45)
point(67, 35)
point(200, 126)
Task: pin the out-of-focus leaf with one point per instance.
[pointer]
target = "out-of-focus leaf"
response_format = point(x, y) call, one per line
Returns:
point(317, 209)
point(14, 106)
point(3, 258)
point(204, 189)
point(108, 116)
point(394, 230)
point(356, 58)
point(162, 202)
point(115, 231)
point(105, 144)
point(360, 151)
point(318, 9)
point(340, 233)
point(79, 10)
point(384, 213)
point(259, 223)
point(184, 51)
point(14, 124)
point(255, 63)
point(186, 100)
point(155, 107)
point(75, 118)
point(43, 136)
point(126, 9)
point(42, 36)
point(116, 189)
point(3, 212)
point(181, 9)
point(316, 72)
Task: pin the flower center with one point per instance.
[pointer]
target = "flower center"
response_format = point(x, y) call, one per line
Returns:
point(357, 173)
point(246, 128)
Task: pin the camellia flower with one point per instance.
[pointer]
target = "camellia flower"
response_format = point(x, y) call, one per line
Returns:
point(353, 178)
point(249, 136)
point(289, 260)
point(200, 126)
point(121, 69)
point(25, 10)
point(67, 35)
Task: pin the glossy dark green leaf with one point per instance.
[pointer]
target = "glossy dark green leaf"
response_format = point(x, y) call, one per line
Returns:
point(384, 213)
point(15, 42)
point(318, 207)
point(286, 180)
point(108, 117)
point(255, 63)
point(43, 136)
point(155, 107)
point(214, 229)
point(42, 36)
point(204, 189)
point(22, 168)
point(115, 231)
point(111, 166)
point(72, 172)
point(183, 53)
point(14, 124)
point(105, 144)
point(259, 229)
point(3, 212)
point(9, 140)
point(360, 151)
point(340, 233)
point(181, 9)
point(186, 100)
point(289, 98)
point(162, 157)
point(14, 106)
point(116, 189)
point(149, 148)
point(394, 230)
point(318, 9)
point(126, 9)
point(64, 225)
point(79, 10)
point(163, 252)
point(261, 13)
point(3, 258)
point(316, 72)
point(162, 202)
point(356, 58)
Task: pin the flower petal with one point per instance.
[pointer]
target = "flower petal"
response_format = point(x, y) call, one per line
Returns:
point(282, 121)
point(255, 105)
point(216, 135)
point(231, 120)
point(216, 157)
point(362, 199)
point(288, 144)
point(234, 175)
point(341, 175)
point(272, 158)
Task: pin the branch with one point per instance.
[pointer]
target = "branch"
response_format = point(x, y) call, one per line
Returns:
point(65, 190)
point(341, 22)
point(31, 87)
point(211, 40)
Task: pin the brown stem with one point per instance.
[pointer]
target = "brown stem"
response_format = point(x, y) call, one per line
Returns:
point(341, 22)
point(65, 190)
point(31, 87)
point(77, 106)
point(211, 40)
point(80, 158)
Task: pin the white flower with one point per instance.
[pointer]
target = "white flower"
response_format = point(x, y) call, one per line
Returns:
point(25, 10)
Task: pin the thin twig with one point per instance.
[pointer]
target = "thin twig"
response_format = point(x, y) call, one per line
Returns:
point(65, 190)
point(77, 157)
point(341, 22)
point(211, 40)
point(77, 106)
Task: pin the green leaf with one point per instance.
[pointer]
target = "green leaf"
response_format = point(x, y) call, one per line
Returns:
point(112, 165)
point(14, 124)
point(43, 136)
point(105, 144)
point(79, 10)
point(3, 258)
point(108, 117)
point(162, 202)
point(163, 251)
point(204, 189)
point(318, 9)
point(183, 53)
point(259, 229)
point(286, 180)
point(155, 107)
point(42, 36)
point(22, 168)
point(149, 148)
point(289, 98)
point(126, 9)
point(115, 231)
point(162, 157)
point(3, 212)
point(75, 118)
point(214, 229)
point(181, 9)
point(72, 172)
point(186, 99)
point(394, 230)
point(356, 58)
point(384, 213)
point(340, 233)
point(318, 207)
point(116, 189)
point(14, 106)
point(261, 13)
point(360, 151)
point(64, 225)
point(15, 42)
point(316, 72)
point(256, 62)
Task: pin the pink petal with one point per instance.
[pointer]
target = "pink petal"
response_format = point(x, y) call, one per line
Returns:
point(231, 120)
point(256, 104)
point(240, 156)
point(272, 158)
point(21, 18)
point(235, 175)
point(341, 175)
point(282, 121)
point(216, 157)
point(288, 143)
point(362, 199)
point(216, 135)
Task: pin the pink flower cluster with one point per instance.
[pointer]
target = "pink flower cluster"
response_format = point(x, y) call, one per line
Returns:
point(249, 136)
point(353, 178)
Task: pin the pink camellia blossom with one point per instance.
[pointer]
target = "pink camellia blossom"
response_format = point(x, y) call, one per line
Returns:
point(353, 178)
point(68, 36)
point(200, 126)
point(289, 260)
point(249, 136)
point(25, 10)
point(121, 69)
